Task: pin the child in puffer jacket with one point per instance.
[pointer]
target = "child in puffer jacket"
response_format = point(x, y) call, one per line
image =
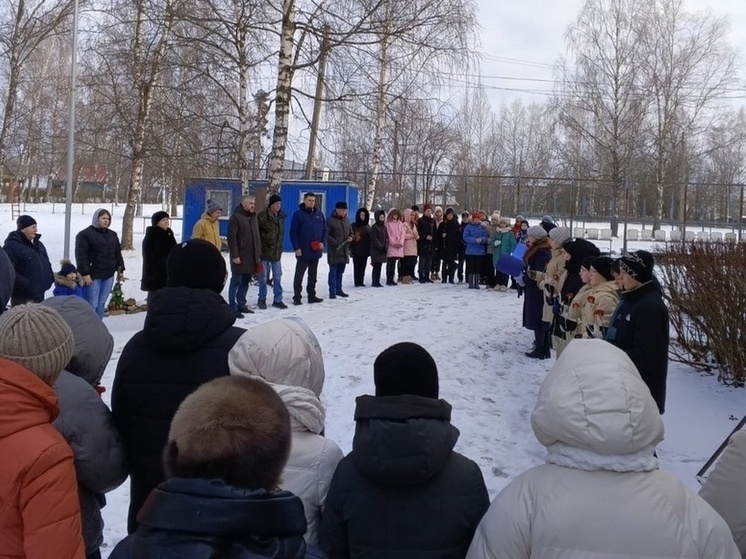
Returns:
point(67, 281)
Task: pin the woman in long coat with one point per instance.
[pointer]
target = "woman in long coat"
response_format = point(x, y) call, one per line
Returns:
point(536, 259)
point(158, 242)
point(379, 245)
point(395, 251)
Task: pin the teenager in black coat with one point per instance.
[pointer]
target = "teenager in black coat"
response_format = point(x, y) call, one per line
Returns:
point(184, 343)
point(379, 243)
point(640, 324)
point(403, 491)
point(158, 242)
point(450, 237)
point(360, 246)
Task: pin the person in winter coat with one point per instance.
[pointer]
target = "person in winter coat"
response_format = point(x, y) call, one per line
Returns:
point(601, 301)
point(184, 343)
point(535, 262)
point(226, 447)
point(84, 420)
point(522, 235)
point(403, 491)
point(600, 494)
point(207, 227)
point(7, 280)
point(449, 237)
point(725, 488)
point(286, 354)
point(503, 244)
point(426, 231)
point(395, 251)
point(271, 234)
point(411, 237)
point(476, 239)
point(547, 223)
point(435, 268)
point(68, 282)
point(551, 284)
point(245, 251)
point(99, 256)
point(465, 219)
point(338, 237)
point(33, 271)
point(39, 510)
point(574, 289)
point(517, 226)
point(308, 237)
point(640, 324)
point(379, 246)
point(158, 241)
point(360, 245)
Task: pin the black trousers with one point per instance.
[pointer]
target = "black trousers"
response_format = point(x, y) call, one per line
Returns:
point(449, 269)
point(407, 266)
point(391, 263)
point(358, 269)
point(300, 270)
point(461, 262)
point(501, 278)
point(426, 264)
point(376, 275)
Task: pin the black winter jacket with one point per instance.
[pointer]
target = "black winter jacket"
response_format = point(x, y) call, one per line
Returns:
point(98, 253)
point(361, 230)
point(184, 343)
point(639, 327)
point(426, 228)
point(34, 273)
point(208, 519)
point(450, 239)
point(379, 241)
point(155, 248)
point(402, 492)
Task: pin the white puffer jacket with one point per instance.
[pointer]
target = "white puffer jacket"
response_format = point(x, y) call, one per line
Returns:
point(725, 489)
point(287, 355)
point(600, 496)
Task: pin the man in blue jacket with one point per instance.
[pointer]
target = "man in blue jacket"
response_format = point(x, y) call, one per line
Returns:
point(308, 237)
point(34, 273)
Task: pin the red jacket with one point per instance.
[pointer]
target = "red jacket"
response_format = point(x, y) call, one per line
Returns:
point(40, 513)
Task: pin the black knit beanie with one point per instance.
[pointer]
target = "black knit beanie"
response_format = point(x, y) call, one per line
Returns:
point(405, 368)
point(196, 264)
point(602, 265)
point(638, 264)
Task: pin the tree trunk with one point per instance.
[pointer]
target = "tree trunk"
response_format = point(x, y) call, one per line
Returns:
point(10, 105)
point(383, 63)
point(244, 145)
point(282, 97)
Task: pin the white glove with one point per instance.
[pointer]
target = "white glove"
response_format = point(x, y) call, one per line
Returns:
point(497, 243)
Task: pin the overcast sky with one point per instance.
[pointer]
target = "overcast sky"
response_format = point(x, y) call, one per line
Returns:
point(524, 38)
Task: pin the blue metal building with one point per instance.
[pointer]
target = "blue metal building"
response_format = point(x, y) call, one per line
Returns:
point(228, 193)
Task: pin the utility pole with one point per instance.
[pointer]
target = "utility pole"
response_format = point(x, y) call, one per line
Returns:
point(684, 193)
point(317, 104)
point(626, 214)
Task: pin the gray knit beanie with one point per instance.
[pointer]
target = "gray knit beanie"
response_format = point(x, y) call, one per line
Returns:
point(560, 234)
point(37, 338)
point(536, 231)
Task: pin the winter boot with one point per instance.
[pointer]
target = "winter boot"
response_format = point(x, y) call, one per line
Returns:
point(538, 352)
point(261, 304)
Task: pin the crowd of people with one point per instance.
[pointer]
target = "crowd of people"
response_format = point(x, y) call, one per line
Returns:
point(220, 428)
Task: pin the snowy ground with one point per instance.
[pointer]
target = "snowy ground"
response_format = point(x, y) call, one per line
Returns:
point(477, 341)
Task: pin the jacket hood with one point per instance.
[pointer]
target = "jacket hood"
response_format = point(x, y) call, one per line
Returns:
point(378, 214)
point(407, 215)
point(213, 508)
point(362, 216)
point(606, 288)
point(594, 401)
point(209, 217)
point(93, 342)
point(25, 400)
point(287, 355)
point(402, 440)
point(64, 281)
point(96, 214)
point(503, 229)
point(155, 230)
point(183, 319)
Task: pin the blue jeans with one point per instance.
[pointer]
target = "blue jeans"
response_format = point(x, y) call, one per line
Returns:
point(276, 268)
point(335, 278)
point(97, 294)
point(237, 290)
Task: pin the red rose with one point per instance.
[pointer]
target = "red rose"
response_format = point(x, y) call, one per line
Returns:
point(576, 305)
point(315, 245)
point(259, 268)
point(591, 299)
point(599, 312)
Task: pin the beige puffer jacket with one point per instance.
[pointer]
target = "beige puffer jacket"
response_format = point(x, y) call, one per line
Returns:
point(600, 495)
point(554, 276)
point(286, 354)
point(598, 307)
point(725, 489)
